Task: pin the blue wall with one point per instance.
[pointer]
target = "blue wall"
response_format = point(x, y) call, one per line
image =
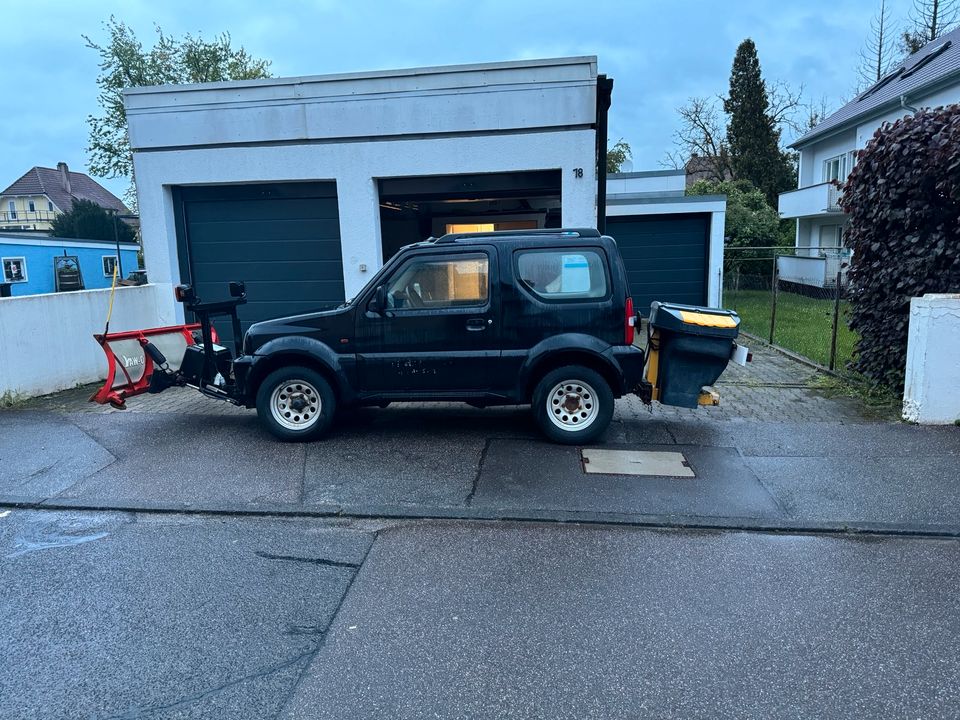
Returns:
point(39, 260)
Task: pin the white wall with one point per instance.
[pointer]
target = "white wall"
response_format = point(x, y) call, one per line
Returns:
point(932, 389)
point(811, 171)
point(948, 96)
point(715, 205)
point(660, 182)
point(46, 341)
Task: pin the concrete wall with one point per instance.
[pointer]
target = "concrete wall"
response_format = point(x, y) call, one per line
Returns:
point(932, 390)
point(46, 341)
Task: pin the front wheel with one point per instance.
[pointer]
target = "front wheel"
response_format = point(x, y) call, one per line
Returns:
point(296, 404)
point(573, 405)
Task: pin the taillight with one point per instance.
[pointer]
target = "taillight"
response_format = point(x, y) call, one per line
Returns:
point(629, 322)
point(213, 334)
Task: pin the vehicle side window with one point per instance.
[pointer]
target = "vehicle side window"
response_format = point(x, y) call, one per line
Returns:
point(461, 281)
point(568, 274)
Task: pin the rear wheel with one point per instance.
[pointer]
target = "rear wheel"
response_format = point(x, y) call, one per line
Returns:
point(296, 404)
point(573, 405)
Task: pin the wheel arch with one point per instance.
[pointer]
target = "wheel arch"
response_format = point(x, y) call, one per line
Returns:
point(298, 351)
point(591, 354)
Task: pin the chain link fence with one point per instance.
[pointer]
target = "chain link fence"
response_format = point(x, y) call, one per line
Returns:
point(794, 299)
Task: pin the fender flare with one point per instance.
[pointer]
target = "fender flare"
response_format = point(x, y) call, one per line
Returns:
point(599, 352)
point(299, 346)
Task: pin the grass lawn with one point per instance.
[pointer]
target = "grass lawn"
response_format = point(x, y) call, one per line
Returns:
point(803, 323)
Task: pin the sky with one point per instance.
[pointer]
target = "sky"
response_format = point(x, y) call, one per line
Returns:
point(658, 53)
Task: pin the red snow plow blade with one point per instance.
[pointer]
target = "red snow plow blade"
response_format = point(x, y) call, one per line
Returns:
point(130, 366)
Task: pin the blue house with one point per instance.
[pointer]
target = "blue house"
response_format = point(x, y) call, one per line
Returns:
point(32, 264)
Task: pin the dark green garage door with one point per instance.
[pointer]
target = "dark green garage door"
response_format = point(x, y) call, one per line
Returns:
point(282, 240)
point(665, 257)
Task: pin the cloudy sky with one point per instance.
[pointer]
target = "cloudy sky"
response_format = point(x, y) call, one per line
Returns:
point(659, 53)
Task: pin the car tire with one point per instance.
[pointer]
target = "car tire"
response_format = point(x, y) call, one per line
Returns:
point(296, 404)
point(573, 405)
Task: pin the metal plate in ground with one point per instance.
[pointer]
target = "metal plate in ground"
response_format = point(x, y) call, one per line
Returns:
point(635, 462)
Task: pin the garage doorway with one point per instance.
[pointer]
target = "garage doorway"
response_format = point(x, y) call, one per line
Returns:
point(281, 239)
point(666, 256)
point(415, 208)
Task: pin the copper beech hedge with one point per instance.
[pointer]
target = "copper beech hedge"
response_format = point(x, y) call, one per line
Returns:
point(903, 199)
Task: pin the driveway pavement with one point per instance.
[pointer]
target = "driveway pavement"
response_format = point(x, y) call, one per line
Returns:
point(775, 454)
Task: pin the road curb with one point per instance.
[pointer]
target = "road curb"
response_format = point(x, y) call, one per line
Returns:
point(394, 512)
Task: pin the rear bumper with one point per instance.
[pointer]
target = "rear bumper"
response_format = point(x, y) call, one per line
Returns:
point(630, 360)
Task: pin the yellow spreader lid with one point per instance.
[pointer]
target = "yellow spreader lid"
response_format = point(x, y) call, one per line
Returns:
point(707, 319)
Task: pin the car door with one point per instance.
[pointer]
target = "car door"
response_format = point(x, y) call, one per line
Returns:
point(440, 330)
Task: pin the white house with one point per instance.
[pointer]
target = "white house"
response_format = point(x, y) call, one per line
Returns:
point(929, 78)
point(303, 187)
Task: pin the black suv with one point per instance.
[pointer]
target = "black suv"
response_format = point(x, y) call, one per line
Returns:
point(540, 317)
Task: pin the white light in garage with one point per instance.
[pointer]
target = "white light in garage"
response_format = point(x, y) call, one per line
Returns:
point(470, 227)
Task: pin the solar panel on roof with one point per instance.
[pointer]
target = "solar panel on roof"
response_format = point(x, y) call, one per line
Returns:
point(927, 58)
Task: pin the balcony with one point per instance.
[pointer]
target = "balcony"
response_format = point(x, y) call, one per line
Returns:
point(822, 200)
point(24, 220)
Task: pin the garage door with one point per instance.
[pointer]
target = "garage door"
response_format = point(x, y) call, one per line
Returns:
point(665, 257)
point(282, 240)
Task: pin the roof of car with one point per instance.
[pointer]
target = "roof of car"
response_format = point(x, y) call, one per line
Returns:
point(559, 234)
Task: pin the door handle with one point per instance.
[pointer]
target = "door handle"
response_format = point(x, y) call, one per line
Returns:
point(476, 324)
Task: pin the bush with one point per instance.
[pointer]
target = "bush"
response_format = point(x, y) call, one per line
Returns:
point(903, 199)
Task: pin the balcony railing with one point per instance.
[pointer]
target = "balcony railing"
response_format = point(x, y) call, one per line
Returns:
point(20, 216)
point(811, 201)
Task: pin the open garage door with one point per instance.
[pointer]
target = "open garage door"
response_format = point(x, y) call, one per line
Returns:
point(282, 240)
point(666, 257)
point(414, 208)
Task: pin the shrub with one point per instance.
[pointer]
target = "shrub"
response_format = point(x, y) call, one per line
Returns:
point(903, 199)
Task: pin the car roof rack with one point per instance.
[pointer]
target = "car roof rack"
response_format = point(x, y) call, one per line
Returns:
point(553, 232)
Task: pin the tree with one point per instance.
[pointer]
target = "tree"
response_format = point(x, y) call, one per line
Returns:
point(903, 199)
point(750, 221)
point(929, 20)
point(124, 63)
point(703, 136)
point(88, 220)
point(878, 52)
point(617, 155)
point(753, 134)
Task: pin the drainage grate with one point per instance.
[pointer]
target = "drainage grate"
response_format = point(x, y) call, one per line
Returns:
point(636, 462)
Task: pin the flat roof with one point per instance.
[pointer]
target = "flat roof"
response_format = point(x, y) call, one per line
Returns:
point(370, 74)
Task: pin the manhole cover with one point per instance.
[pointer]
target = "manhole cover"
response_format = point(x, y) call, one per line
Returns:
point(636, 462)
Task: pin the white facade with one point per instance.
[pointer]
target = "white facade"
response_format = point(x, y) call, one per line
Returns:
point(932, 385)
point(358, 129)
point(820, 222)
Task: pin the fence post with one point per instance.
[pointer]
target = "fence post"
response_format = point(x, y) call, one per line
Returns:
point(773, 302)
point(836, 322)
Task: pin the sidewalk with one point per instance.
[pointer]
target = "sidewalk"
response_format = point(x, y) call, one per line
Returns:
point(776, 454)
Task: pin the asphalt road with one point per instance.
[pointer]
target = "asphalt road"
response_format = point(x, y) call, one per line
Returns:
point(169, 616)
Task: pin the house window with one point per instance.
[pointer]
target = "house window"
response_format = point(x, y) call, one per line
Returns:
point(109, 263)
point(50, 205)
point(31, 207)
point(838, 167)
point(14, 269)
point(12, 206)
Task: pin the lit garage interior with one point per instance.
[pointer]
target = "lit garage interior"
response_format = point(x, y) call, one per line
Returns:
point(415, 208)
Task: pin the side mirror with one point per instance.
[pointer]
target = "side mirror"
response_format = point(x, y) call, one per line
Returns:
point(378, 303)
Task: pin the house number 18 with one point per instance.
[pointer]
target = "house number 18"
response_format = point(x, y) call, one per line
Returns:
point(578, 172)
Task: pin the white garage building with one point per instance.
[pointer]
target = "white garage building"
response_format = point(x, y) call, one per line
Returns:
point(303, 187)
